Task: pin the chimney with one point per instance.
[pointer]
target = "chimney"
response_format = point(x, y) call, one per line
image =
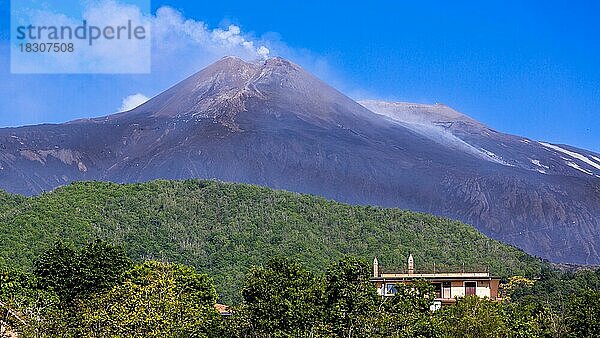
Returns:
point(411, 264)
point(375, 268)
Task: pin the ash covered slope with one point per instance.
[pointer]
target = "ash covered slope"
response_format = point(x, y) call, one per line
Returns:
point(271, 123)
point(545, 198)
point(447, 126)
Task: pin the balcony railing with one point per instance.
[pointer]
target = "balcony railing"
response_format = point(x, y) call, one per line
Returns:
point(438, 269)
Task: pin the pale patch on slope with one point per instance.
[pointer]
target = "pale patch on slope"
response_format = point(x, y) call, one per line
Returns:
point(66, 156)
point(575, 166)
point(542, 168)
point(539, 164)
point(417, 112)
point(573, 154)
point(496, 157)
point(430, 121)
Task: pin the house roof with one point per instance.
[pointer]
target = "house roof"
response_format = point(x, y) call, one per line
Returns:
point(437, 276)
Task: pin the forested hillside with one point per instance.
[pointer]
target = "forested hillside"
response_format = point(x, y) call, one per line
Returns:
point(222, 229)
point(8, 201)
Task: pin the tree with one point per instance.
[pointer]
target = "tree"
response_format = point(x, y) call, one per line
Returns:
point(516, 285)
point(156, 300)
point(101, 266)
point(528, 320)
point(73, 274)
point(26, 310)
point(281, 299)
point(408, 313)
point(351, 299)
point(55, 270)
point(582, 315)
point(472, 317)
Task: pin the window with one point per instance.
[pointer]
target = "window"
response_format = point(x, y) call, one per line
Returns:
point(447, 290)
point(390, 289)
point(438, 289)
point(470, 288)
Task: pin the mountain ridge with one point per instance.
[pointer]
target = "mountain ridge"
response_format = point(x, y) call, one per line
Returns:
point(273, 124)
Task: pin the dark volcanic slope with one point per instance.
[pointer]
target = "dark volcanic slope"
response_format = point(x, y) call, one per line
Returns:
point(544, 198)
point(273, 124)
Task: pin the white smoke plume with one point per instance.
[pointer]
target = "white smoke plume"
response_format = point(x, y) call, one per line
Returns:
point(132, 101)
point(171, 29)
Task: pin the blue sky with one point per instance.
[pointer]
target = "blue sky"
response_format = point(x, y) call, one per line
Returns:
point(531, 69)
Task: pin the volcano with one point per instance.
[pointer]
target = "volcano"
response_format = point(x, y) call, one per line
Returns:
point(271, 123)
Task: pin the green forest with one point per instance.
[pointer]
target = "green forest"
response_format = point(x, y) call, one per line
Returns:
point(223, 229)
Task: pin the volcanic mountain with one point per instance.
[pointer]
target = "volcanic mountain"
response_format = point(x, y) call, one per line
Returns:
point(271, 123)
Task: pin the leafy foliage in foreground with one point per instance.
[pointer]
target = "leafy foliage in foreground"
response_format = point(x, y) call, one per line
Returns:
point(351, 300)
point(155, 300)
point(74, 274)
point(571, 298)
point(113, 298)
point(407, 314)
point(223, 229)
point(280, 299)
